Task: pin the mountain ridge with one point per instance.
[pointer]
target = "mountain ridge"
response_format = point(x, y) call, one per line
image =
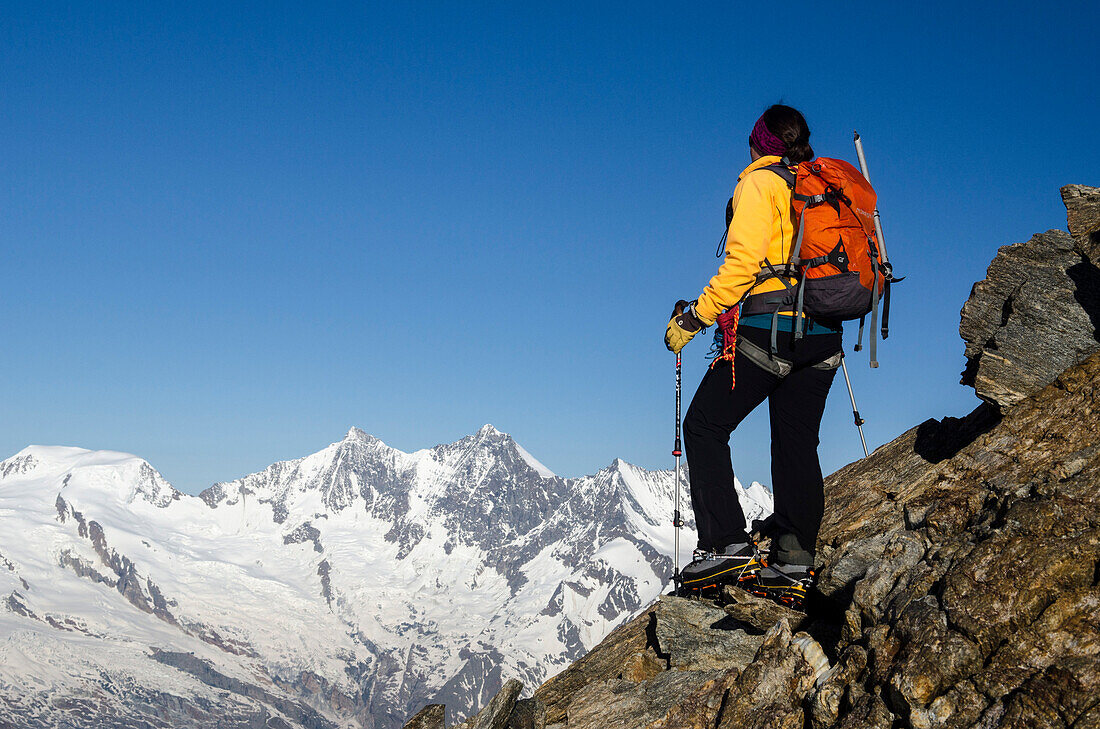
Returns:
point(337, 589)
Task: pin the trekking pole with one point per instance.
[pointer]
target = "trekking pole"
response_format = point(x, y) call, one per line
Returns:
point(855, 411)
point(677, 522)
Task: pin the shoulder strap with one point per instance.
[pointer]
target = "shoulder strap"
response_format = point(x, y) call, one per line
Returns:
point(783, 169)
point(784, 172)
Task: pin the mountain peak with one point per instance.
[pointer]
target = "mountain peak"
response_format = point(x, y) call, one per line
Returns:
point(490, 431)
point(358, 435)
point(487, 434)
point(619, 465)
point(96, 474)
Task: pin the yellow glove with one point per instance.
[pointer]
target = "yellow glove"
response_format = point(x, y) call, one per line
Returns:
point(681, 327)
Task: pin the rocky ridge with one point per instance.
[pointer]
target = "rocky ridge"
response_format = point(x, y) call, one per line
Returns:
point(959, 565)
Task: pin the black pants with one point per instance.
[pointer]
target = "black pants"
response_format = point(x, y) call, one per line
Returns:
point(795, 403)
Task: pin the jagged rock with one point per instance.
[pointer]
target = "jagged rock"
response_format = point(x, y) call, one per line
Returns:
point(1083, 210)
point(695, 635)
point(868, 712)
point(618, 704)
point(968, 604)
point(527, 714)
point(704, 649)
point(758, 613)
point(899, 555)
point(868, 499)
point(1033, 316)
point(825, 707)
point(630, 665)
point(625, 646)
point(699, 709)
point(814, 655)
point(1037, 310)
point(671, 667)
point(642, 666)
point(430, 717)
point(495, 714)
point(932, 657)
point(770, 690)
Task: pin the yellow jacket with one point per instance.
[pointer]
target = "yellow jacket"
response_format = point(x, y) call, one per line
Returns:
point(760, 228)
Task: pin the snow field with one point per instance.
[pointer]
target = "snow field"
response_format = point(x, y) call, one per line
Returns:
point(363, 565)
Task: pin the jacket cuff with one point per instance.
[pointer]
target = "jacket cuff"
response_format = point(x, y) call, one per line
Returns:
point(701, 311)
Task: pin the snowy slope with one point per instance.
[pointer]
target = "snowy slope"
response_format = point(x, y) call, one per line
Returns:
point(343, 589)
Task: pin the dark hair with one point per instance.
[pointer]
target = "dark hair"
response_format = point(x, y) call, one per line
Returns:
point(790, 126)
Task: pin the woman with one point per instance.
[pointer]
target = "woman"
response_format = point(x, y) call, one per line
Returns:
point(793, 375)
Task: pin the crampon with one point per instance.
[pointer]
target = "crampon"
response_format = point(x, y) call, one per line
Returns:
point(786, 584)
point(709, 571)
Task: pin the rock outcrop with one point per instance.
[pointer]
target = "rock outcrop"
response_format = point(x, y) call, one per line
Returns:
point(430, 717)
point(498, 711)
point(959, 575)
point(1083, 206)
point(1036, 312)
point(970, 588)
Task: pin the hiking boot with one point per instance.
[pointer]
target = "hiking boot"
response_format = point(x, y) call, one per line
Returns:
point(787, 584)
point(736, 563)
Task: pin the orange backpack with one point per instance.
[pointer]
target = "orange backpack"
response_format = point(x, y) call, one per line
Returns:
point(836, 262)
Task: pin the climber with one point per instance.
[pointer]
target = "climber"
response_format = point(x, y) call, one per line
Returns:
point(761, 359)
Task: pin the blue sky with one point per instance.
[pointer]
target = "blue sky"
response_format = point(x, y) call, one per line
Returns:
point(232, 231)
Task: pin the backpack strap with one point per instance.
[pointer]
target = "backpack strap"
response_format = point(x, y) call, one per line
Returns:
point(726, 230)
point(772, 273)
point(872, 343)
point(783, 169)
point(795, 294)
point(799, 316)
point(886, 310)
point(763, 359)
point(772, 302)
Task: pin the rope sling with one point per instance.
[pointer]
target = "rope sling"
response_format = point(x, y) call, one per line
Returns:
point(727, 331)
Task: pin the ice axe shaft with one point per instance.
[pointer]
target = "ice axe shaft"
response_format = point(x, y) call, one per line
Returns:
point(883, 259)
point(878, 220)
point(855, 410)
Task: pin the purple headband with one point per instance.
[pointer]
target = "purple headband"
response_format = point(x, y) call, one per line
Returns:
point(766, 142)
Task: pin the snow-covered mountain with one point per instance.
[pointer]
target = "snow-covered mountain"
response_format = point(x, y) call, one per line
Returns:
point(326, 591)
